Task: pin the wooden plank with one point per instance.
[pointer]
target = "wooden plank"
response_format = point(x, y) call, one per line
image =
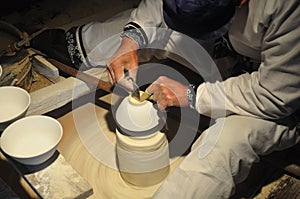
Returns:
point(56, 95)
point(285, 187)
point(45, 68)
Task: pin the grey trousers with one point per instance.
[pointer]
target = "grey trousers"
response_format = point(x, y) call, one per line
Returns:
point(218, 162)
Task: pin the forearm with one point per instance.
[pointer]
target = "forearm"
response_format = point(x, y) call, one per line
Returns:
point(273, 91)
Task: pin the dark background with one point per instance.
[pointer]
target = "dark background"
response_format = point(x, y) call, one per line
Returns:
point(10, 6)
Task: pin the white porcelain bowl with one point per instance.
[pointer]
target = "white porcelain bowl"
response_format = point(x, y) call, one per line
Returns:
point(136, 117)
point(14, 103)
point(32, 140)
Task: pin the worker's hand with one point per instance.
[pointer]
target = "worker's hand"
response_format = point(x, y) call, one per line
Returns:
point(124, 59)
point(167, 92)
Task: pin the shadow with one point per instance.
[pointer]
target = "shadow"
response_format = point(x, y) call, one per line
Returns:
point(183, 127)
point(13, 179)
point(261, 174)
point(28, 169)
point(18, 171)
point(6, 191)
point(111, 124)
point(288, 160)
point(88, 98)
point(270, 169)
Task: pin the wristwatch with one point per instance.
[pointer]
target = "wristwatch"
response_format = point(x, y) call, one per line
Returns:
point(191, 95)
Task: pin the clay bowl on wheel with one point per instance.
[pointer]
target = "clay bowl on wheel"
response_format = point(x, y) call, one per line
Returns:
point(137, 119)
point(32, 140)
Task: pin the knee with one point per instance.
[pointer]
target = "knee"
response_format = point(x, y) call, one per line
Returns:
point(233, 133)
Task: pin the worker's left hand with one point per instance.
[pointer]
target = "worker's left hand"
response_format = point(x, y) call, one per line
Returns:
point(167, 92)
point(125, 59)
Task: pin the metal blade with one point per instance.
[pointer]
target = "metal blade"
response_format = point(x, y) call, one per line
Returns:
point(146, 95)
point(136, 92)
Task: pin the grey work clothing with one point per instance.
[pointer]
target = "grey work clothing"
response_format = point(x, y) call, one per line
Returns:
point(237, 143)
point(251, 110)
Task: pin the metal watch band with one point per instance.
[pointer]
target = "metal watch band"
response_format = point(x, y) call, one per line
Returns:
point(191, 95)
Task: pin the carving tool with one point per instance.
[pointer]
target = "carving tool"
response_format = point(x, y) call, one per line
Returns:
point(136, 91)
point(106, 86)
point(146, 95)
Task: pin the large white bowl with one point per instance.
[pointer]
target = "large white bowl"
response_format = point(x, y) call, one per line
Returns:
point(32, 140)
point(14, 103)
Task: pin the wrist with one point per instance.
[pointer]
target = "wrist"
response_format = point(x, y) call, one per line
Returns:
point(129, 43)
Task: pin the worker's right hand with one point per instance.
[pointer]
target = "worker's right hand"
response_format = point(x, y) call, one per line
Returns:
point(124, 59)
point(168, 92)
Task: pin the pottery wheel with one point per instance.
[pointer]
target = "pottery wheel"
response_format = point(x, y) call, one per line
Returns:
point(83, 155)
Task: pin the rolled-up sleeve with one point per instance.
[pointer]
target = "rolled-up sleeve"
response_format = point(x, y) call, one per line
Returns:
point(149, 16)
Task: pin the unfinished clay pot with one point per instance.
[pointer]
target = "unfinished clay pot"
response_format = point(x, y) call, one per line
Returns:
point(142, 149)
point(136, 118)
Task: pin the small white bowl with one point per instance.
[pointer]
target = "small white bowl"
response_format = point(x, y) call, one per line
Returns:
point(136, 117)
point(32, 140)
point(14, 103)
point(0, 71)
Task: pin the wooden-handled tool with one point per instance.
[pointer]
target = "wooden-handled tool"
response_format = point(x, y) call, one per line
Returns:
point(106, 86)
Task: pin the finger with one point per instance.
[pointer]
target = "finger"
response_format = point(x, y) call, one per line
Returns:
point(133, 73)
point(151, 89)
point(159, 81)
point(161, 107)
point(158, 99)
point(119, 72)
point(111, 75)
point(126, 84)
point(156, 91)
point(146, 95)
point(162, 101)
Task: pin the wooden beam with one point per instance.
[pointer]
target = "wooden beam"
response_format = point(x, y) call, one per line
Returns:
point(100, 84)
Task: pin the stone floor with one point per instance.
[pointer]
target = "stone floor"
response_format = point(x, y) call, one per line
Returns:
point(31, 15)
